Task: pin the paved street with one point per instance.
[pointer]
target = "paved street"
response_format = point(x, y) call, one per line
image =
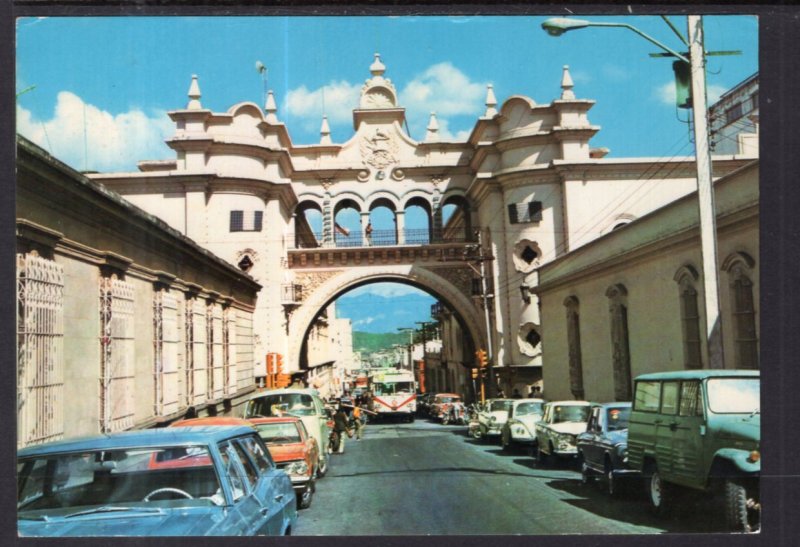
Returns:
point(424, 478)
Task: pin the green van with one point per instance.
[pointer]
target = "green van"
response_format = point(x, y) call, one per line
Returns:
point(700, 429)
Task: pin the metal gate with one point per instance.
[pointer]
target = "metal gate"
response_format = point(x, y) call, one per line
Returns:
point(117, 347)
point(40, 350)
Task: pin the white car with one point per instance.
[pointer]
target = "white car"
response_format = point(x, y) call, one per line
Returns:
point(521, 425)
point(558, 430)
point(493, 417)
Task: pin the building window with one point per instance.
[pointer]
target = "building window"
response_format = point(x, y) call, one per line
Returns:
point(196, 351)
point(690, 317)
point(40, 349)
point(744, 315)
point(733, 113)
point(530, 211)
point(246, 221)
point(574, 345)
point(620, 353)
point(166, 341)
point(229, 350)
point(116, 354)
point(216, 359)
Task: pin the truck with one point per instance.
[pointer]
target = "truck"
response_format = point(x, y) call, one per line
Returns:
point(393, 393)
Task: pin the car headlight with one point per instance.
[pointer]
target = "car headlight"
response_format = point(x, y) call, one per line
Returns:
point(518, 430)
point(565, 441)
point(297, 468)
point(493, 419)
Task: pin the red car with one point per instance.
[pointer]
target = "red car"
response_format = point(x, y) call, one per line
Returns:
point(190, 457)
point(294, 451)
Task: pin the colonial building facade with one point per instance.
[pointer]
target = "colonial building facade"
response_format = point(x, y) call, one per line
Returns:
point(122, 322)
point(524, 189)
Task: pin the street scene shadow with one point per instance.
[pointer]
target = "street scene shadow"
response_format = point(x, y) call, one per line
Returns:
point(691, 513)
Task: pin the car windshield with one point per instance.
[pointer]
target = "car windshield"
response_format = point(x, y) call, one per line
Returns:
point(392, 388)
point(570, 413)
point(500, 405)
point(617, 418)
point(528, 409)
point(281, 404)
point(280, 433)
point(734, 395)
point(143, 479)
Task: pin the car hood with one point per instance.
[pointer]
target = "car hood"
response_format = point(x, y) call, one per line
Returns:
point(747, 427)
point(184, 521)
point(500, 416)
point(573, 428)
point(528, 421)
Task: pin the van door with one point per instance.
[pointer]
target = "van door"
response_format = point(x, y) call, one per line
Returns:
point(642, 426)
point(666, 426)
point(688, 437)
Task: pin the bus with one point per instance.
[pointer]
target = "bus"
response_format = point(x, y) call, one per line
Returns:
point(393, 393)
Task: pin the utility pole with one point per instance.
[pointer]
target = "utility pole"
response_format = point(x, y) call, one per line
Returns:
point(486, 311)
point(705, 192)
point(423, 328)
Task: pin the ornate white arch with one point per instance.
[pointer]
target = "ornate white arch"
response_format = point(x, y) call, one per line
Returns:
point(324, 294)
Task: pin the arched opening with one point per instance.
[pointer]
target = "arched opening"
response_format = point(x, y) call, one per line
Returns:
point(384, 223)
point(394, 322)
point(456, 219)
point(307, 225)
point(347, 230)
point(418, 222)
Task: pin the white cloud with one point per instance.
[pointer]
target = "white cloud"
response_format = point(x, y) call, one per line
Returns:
point(340, 99)
point(446, 90)
point(447, 136)
point(666, 93)
point(112, 142)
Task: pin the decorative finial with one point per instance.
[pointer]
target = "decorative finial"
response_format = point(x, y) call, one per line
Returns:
point(491, 102)
point(325, 131)
point(194, 95)
point(271, 108)
point(567, 85)
point(433, 129)
point(377, 68)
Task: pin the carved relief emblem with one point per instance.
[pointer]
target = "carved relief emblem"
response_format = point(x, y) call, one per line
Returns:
point(378, 148)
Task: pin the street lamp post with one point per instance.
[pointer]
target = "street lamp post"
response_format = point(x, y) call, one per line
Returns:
point(705, 190)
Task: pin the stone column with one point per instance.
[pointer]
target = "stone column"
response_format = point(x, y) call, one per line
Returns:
point(327, 221)
point(400, 226)
point(365, 239)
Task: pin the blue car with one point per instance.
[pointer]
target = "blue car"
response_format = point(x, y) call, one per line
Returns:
point(185, 481)
point(603, 447)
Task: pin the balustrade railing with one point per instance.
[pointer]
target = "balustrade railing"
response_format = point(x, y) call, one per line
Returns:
point(380, 238)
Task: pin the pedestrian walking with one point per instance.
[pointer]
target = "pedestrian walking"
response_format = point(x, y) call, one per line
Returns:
point(340, 427)
point(357, 421)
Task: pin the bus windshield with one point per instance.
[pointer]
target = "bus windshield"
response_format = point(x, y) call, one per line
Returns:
point(392, 388)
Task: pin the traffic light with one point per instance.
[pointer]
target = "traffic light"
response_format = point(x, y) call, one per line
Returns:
point(281, 379)
point(474, 373)
point(683, 84)
point(482, 358)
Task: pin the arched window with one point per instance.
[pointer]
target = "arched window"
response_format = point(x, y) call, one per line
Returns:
point(745, 335)
point(574, 345)
point(687, 278)
point(620, 352)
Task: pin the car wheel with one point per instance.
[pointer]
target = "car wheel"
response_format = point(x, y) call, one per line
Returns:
point(411, 419)
point(505, 441)
point(476, 433)
point(742, 514)
point(323, 467)
point(658, 491)
point(305, 497)
point(541, 456)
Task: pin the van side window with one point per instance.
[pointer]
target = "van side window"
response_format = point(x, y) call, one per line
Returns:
point(691, 399)
point(648, 396)
point(669, 398)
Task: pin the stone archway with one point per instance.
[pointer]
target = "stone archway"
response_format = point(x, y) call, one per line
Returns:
point(334, 283)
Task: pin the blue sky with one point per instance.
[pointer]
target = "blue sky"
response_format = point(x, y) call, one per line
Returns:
point(104, 85)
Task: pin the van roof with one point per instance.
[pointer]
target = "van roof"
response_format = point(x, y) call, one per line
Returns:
point(700, 374)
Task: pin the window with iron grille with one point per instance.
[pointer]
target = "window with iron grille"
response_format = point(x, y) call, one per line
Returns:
point(744, 319)
point(196, 352)
point(690, 321)
point(620, 354)
point(165, 345)
point(116, 354)
point(229, 350)
point(246, 221)
point(530, 211)
point(40, 350)
point(216, 360)
point(574, 344)
point(244, 351)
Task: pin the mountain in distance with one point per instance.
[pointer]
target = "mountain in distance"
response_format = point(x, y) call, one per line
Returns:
point(372, 342)
point(373, 313)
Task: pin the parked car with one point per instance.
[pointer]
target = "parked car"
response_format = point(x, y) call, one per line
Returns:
point(603, 447)
point(557, 431)
point(700, 429)
point(300, 403)
point(493, 416)
point(209, 481)
point(294, 451)
point(520, 429)
point(440, 404)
